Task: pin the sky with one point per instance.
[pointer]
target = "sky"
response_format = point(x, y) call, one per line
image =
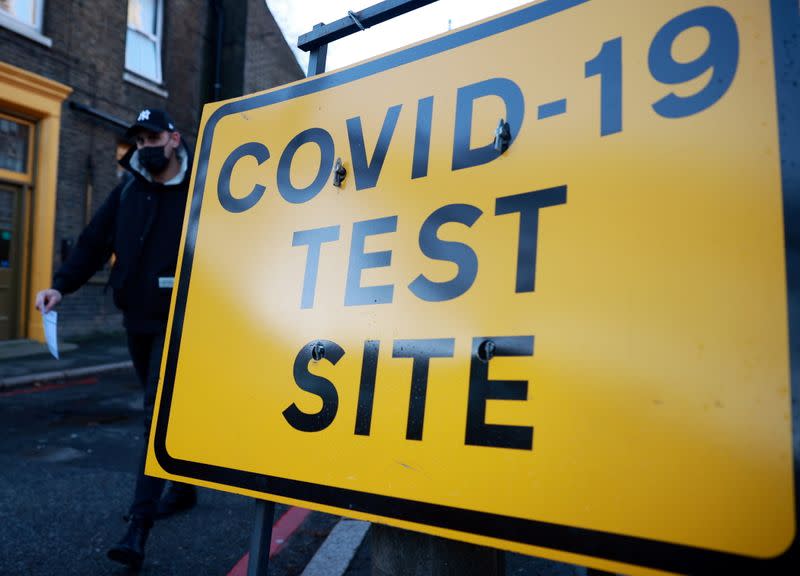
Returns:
point(296, 17)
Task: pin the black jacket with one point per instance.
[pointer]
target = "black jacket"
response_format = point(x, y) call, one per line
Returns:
point(140, 223)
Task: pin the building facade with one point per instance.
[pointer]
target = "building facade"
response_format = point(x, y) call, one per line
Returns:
point(73, 74)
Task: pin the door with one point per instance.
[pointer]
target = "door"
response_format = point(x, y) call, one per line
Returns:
point(11, 241)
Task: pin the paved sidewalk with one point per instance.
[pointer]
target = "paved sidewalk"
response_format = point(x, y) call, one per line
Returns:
point(26, 362)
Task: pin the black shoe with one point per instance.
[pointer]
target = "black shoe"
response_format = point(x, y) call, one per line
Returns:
point(179, 497)
point(130, 550)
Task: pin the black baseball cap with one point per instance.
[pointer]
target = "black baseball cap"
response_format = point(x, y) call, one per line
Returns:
point(151, 119)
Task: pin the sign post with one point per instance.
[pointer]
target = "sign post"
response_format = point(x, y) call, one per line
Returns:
point(578, 341)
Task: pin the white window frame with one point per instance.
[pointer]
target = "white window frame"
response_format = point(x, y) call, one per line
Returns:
point(155, 38)
point(34, 32)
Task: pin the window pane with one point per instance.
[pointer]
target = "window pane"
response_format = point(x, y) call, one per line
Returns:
point(6, 226)
point(14, 146)
point(5, 249)
point(142, 15)
point(22, 10)
point(140, 55)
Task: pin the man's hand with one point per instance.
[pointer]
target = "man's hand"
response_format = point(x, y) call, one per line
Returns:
point(48, 299)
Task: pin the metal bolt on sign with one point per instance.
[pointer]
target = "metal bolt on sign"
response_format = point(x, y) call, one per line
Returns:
point(318, 351)
point(502, 136)
point(339, 173)
point(486, 350)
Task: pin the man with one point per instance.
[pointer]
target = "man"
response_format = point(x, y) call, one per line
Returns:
point(140, 223)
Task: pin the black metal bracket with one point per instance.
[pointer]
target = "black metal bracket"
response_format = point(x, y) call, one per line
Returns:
point(316, 42)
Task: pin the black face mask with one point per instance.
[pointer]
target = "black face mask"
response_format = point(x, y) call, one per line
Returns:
point(152, 159)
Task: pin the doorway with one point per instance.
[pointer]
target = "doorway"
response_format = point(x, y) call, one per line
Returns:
point(31, 107)
point(12, 238)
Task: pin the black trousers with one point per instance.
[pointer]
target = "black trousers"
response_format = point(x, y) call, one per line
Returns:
point(145, 350)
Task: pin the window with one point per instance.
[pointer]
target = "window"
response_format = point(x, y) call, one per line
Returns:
point(15, 148)
point(5, 249)
point(25, 18)
point(28, 12)
point(143, 42)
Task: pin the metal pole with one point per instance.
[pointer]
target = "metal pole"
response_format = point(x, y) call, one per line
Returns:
point(258, 563)
point(317, 56)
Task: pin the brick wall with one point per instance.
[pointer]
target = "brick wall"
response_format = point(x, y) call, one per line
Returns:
point(269, 61)
point(88, 54)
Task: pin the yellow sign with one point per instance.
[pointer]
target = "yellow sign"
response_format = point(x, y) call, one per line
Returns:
point(545, 309)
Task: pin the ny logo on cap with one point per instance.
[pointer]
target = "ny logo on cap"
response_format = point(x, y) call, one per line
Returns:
point(143, 115)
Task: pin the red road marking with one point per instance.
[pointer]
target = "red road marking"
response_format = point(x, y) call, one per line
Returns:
point(50, 386)
point(281, 532)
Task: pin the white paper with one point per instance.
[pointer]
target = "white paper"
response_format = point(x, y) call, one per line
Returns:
point(50, 321)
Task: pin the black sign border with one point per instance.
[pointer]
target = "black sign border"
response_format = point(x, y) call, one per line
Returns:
point(615, 547)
